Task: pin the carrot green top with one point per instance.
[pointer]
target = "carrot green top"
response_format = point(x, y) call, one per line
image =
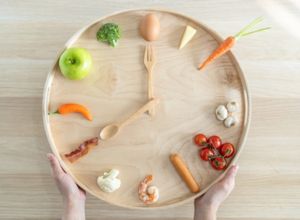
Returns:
point(246, 30)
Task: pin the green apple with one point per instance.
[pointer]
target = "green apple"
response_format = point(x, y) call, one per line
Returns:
point(75, 63)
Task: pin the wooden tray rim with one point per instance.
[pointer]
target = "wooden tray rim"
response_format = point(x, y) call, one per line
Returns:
point(217, 37)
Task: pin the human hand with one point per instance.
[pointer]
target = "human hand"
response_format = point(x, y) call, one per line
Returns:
point(73, 196)
point(206, 206)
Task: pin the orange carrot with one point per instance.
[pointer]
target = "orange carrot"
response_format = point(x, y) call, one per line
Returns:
point(226, 45)
point(184, 172)
point(229, 42)
point(73, 107)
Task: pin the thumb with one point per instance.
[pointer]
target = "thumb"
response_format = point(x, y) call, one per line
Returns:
point(55, 166)
point(231, 172)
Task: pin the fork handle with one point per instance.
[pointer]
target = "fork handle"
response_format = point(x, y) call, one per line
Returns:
point(151, 111)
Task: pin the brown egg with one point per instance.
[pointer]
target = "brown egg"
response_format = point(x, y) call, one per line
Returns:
point(150, 27)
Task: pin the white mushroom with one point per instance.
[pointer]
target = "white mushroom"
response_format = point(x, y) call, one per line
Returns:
point(221, 112)
point(109, 181)
point(230, 121)
point(232, 106)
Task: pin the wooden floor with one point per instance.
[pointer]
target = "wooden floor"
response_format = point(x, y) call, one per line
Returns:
point(268, 183)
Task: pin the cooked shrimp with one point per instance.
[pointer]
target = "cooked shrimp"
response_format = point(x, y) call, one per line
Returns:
point(148, 194)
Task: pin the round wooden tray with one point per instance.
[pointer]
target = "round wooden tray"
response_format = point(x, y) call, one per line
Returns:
point(117, 87)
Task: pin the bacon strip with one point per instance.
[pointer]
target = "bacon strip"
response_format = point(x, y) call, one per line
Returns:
point(82, 150)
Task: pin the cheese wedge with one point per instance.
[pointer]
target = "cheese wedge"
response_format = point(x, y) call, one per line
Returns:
point(187, 36)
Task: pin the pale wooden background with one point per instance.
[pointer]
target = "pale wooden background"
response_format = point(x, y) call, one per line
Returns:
point(268, 184)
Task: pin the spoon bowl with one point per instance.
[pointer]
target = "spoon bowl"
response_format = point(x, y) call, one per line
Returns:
point(109, 131)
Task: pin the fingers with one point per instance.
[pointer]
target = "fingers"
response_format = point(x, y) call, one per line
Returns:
point(55, 166)
point(229, 178)
point(231, 172)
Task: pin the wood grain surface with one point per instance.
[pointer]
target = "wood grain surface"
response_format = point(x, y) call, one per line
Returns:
point(117, 87)
point(268, 183)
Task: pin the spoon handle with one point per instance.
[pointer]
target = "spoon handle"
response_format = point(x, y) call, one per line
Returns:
point(142, 110)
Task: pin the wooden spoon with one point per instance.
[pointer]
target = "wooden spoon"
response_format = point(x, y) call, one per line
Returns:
point(112, 129)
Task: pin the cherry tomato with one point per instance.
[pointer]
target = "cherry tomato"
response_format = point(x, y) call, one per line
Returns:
point(200, 140)
point(227, 150)
point(205, 153)
point(214, 141)
point(218, 163)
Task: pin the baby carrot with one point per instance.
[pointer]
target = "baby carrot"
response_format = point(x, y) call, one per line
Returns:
point(229, 42)
point(184, 172)
point(74, 108)
point(226, 45)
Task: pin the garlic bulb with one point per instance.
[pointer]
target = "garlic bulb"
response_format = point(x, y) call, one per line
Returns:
point(232, 106)
point(221, 112)
point(109, 181)
point(230, 121)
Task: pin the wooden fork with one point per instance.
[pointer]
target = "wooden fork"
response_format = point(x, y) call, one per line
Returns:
point(149, 61)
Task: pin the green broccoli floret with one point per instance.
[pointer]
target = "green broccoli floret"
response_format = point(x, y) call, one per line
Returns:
point(109, 33)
